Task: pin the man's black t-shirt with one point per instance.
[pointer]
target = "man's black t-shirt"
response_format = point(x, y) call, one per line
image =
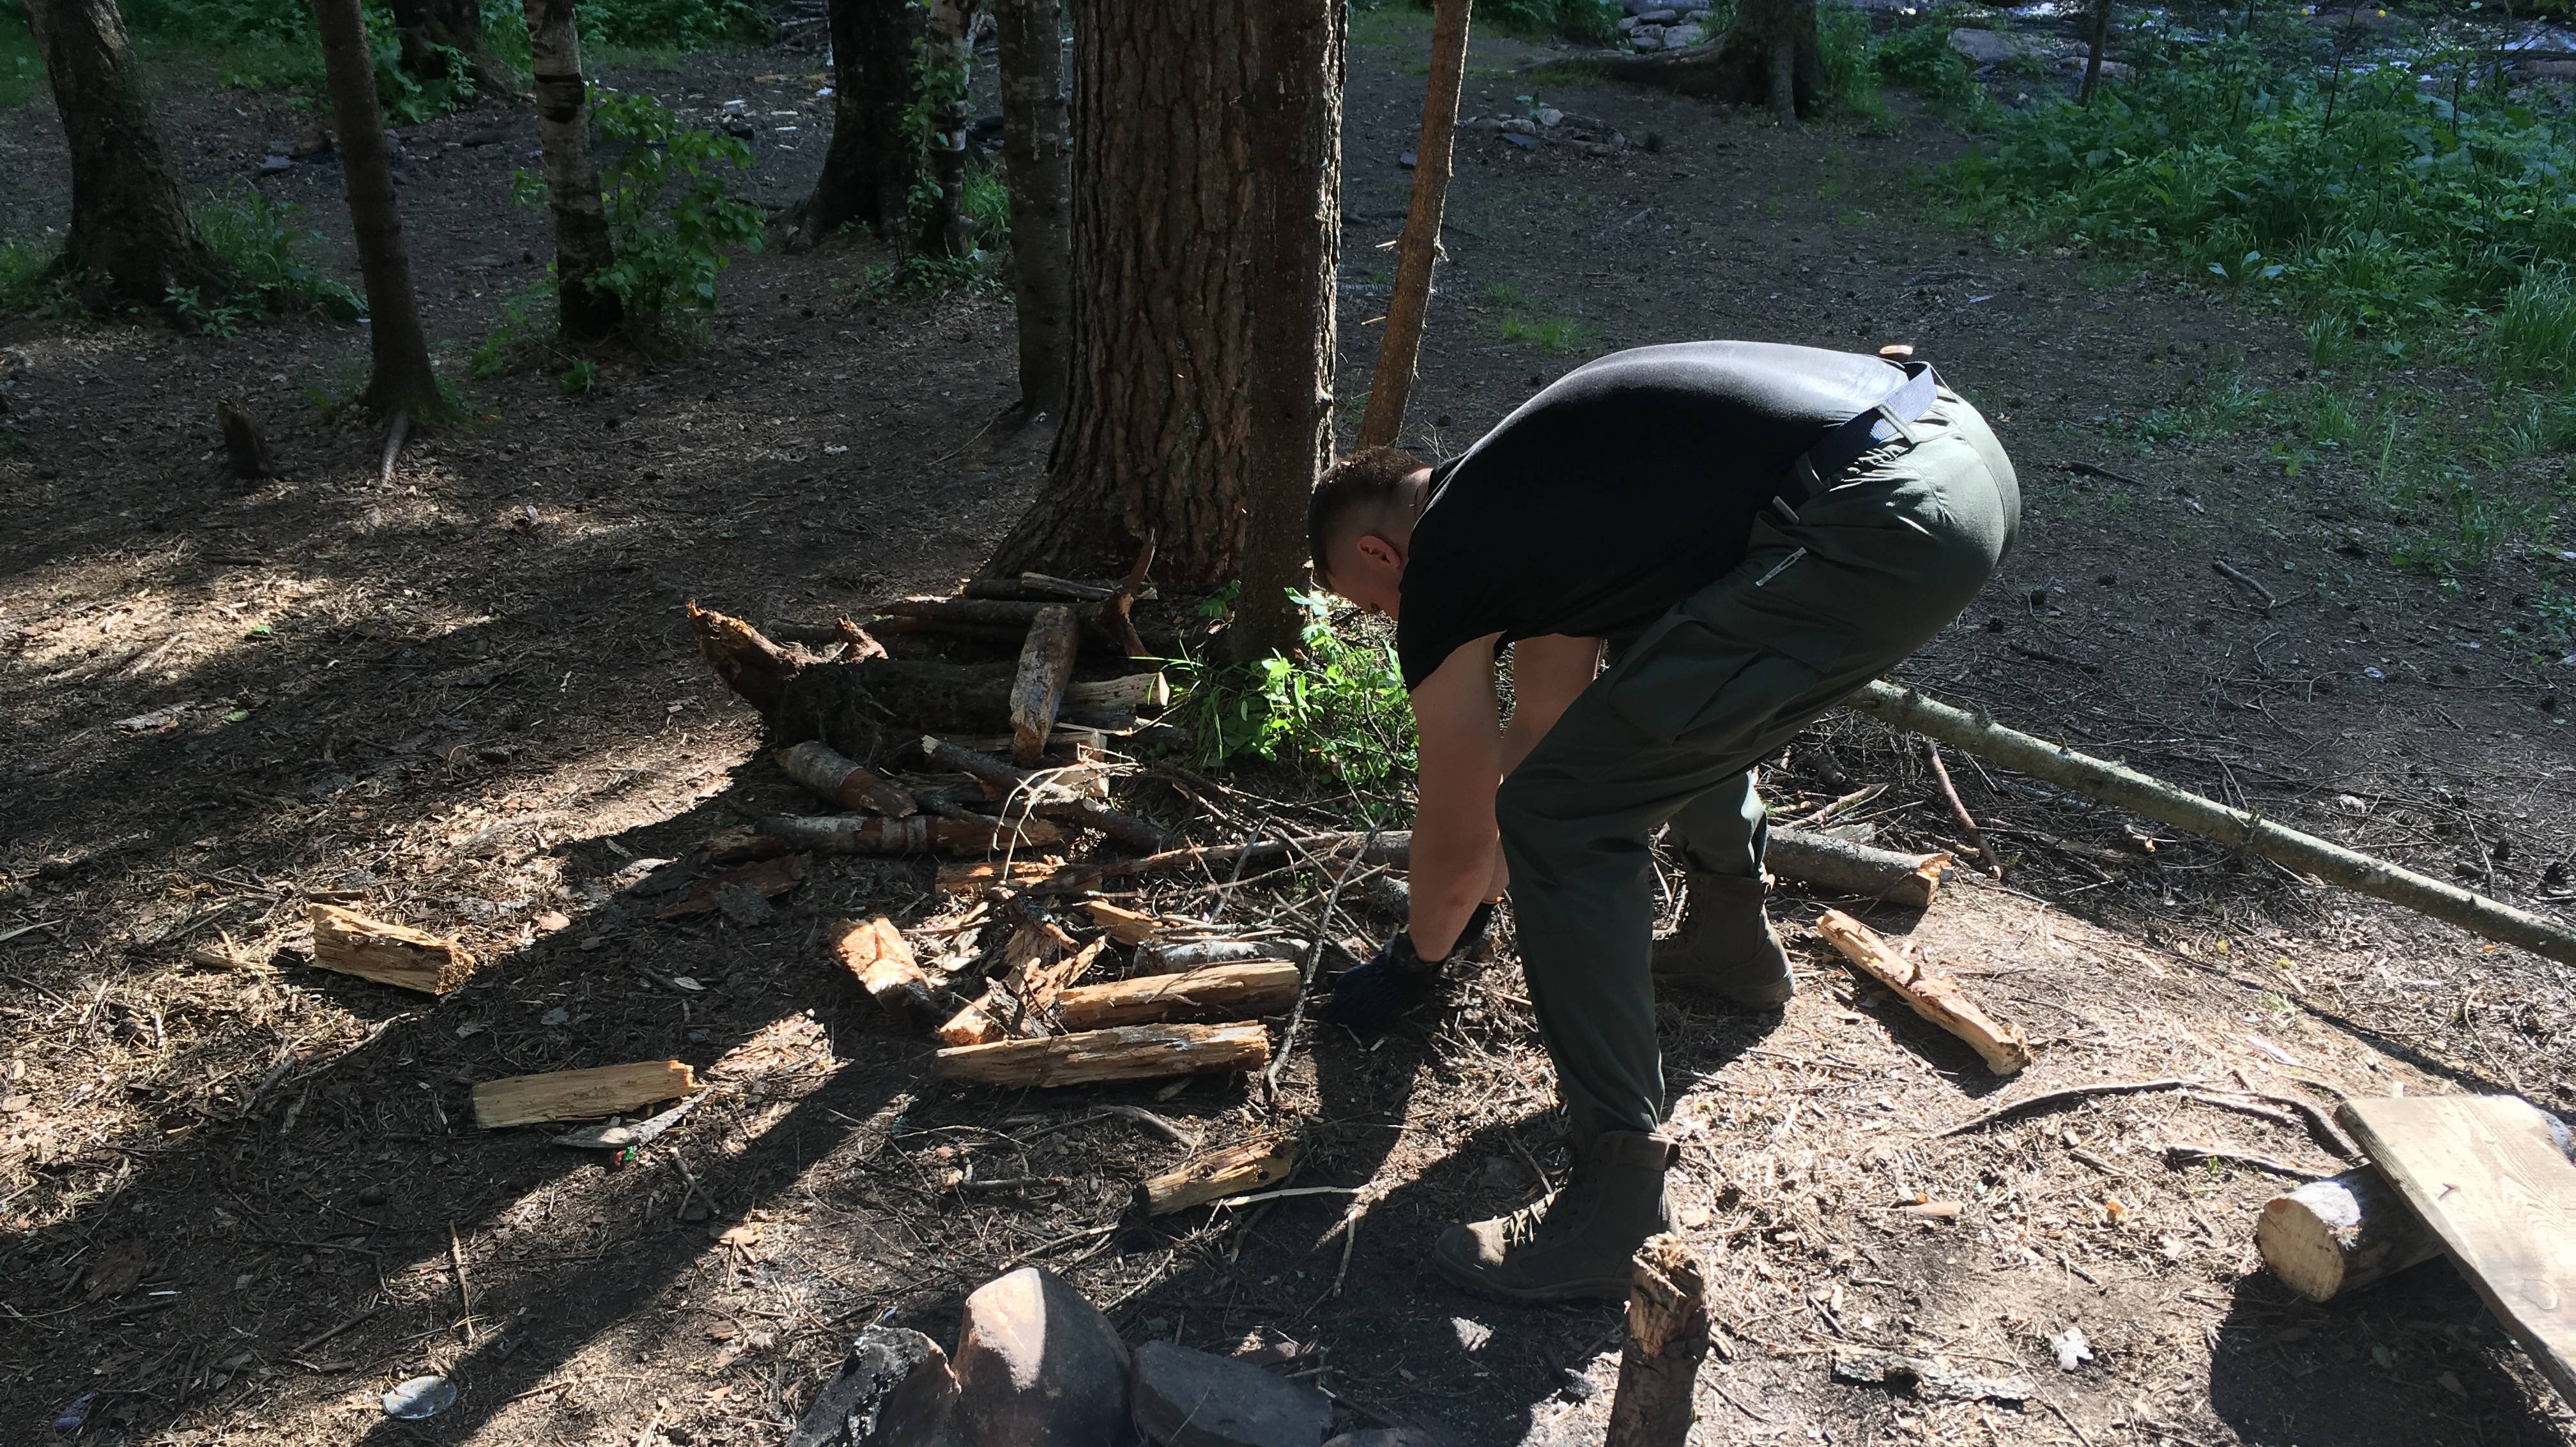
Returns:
point(1624, 487)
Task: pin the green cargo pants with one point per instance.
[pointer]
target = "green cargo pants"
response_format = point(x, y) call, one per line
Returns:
point(1871, 569)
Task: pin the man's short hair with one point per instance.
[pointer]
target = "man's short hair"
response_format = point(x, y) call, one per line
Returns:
point(1371, 479)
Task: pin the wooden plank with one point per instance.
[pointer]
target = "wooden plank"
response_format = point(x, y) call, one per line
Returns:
point(580, 1094)
point(2486, 1174)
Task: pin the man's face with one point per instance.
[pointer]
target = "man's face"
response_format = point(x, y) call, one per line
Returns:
point(1369, 570)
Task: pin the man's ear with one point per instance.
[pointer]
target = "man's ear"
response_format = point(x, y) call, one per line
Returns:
point(1377, 552)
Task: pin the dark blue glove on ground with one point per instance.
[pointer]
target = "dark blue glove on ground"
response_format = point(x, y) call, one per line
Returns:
point(1395, 980)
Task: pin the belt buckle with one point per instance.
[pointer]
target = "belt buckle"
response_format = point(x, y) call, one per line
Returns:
point(1802, 473)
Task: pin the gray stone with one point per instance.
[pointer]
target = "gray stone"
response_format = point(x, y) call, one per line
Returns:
point(1039, 1366)
point(1681, 35)
point(1627, 22)
point(276, 163)
point(1658, 17)
point(1984, 47)
point(1186, 1398)
point(1526, 143)
point(894, 1390)
point(1381, 1437)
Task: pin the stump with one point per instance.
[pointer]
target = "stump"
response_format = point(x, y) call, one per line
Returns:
point(1667, 1340)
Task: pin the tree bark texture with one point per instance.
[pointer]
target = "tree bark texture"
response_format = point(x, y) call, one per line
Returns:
point(947, 54)
point(426, 25)
point(2093, 51)
point(868, 172)
point(1174, 248)
point(583, 249)
point(1391, 386)
point(1038, 172)
point(1768, 56)
point(129, 227)
point(402, 380)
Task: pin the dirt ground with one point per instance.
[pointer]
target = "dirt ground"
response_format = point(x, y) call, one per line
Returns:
point(240, 1203)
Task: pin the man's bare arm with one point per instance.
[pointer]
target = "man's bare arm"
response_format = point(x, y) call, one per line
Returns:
point(1548, 673)
point(1454, 850)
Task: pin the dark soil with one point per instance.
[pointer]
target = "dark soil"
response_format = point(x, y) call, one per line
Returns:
point(241, 1202)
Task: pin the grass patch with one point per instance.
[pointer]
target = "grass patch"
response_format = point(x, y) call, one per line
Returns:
point(258, 238)
point(2535, 329)
point(1517, 320)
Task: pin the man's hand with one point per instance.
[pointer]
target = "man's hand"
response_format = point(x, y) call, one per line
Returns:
point(1395, 980)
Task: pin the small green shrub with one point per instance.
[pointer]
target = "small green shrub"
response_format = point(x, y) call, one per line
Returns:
point(2535, 330)
point(195, 314)
point(1338, 711)
point(256, 237)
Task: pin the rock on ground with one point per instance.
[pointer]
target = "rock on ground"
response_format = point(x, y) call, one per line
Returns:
point(1188, 1398)
point(895, 1390)
point(1038, 1366)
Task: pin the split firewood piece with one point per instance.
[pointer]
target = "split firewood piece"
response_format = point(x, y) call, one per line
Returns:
point(1046, 798)
point(978, 1023)
point(858, 834)
point(580, 1094)
point(1132, 1052)
point(1937, 998)
point(881, 960)
point(1046, 666)
point(984, 874)
point(1236, 1169)
point(1039, 960)
point(1667, 1339)
point(844, 781)
point(1855, 869)
point(389, 954)
point(1126, 926)
point(1220, 992)
point(1134, 692)
point(768, 878)
point(1175, 957)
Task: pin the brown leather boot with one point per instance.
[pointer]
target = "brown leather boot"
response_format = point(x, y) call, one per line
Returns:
point(1726, 946)
point(1576, 1243)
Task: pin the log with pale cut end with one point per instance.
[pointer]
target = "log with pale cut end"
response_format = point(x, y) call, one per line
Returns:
point(975, 1024)
point(920, 834)
point(1037, 690)
point(389, 954)
point(1132, 1052)
point(1857, 869)
point(580, 1094)
point(1667, 1339)
point(844, 781)
point(1127, 926)
point(1937, 998)
point(2341, 1234)
point(1218, 992)
point(881, 960)
point(1229, 1172)
point(1173, 957)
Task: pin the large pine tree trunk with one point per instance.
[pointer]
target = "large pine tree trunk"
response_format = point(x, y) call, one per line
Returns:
point(129, 230)
point(1768, 56)
point(426, 25)
point(869, 170)
point(403, 380)
point(583, 249)
point(947, 58)
point(1177, 246)
point(1035, 169)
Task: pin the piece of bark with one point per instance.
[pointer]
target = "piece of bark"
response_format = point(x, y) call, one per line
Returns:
point(881, 960)
point(1937, 998)
point(845, 782)
point(2155, 799)
point(1047, 799)
point(580, 1094)
point(1219, 992)
point(922, 833)
point(1037, 691)
point(1232, 1171)
point(1667, 1339)
point(1126, 926)
point(389, 954)
point(1855, 869)
point(766, 878)
point(1134, 1052)
point(1177, 956)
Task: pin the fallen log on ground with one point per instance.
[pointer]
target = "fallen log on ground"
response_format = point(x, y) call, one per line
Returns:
point(844, 781)
point(1857, 869)
point(1048, 799)
point(920, 834)
point(1132, 1052)
point(1667, 1339)
point(1217, 992)
point(1174, 957)
point(2155, 799)
point(580, 1094)
point(1937, 998)
point(1220, 1173)
point(1037, 690)
point(2338, 1235)
point(389, 954)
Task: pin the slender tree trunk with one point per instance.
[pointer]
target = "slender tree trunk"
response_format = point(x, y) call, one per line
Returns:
point(869, 170)
point(403, 381)
point(1768, 56)
point(1035, 167)
point(947, 56)
point(1392, 384)
point(1172, 244)
point(2093, 54)
point(583, 249)
point(129, 230)
point(426, 25)
point(1296, 105)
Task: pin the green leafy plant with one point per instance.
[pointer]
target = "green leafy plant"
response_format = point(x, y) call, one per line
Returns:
point(211, 319)
point(578, 379)
point(2535, 329)
point(663, 185)
point(257, 238)
point(1336, 711)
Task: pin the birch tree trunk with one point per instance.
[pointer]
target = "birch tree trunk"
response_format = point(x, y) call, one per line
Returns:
point(947, 56)
point(402, 379)
point(868, 172)
point(583, 249)
point(130, 233)
point(1035, 168)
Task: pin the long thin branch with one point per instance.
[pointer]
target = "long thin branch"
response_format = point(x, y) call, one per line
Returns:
point(1314, 960)
point(1959, 811)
